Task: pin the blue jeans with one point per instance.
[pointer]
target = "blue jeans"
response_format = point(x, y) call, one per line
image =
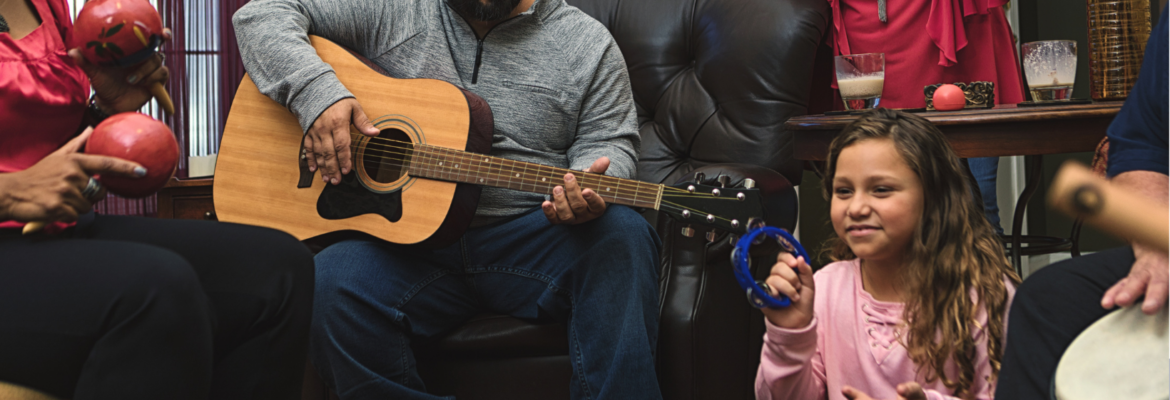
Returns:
point(600, 277)
point(985, 170)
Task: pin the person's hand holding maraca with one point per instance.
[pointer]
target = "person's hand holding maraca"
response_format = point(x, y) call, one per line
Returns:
point(116, 43)
point(59, 187)
point(121, 89)
point(140, 152)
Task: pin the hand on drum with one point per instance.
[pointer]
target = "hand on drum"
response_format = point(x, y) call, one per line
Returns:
point(792, 277)
point(573, 205)
point(327, 142)
point(906, 391)
point(1148, 277)
point(52, 189)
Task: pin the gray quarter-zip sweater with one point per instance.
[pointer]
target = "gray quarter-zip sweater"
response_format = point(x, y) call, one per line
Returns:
point(553, 76)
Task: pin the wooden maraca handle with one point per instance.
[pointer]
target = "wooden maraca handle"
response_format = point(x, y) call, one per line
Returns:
point(164, 98)
point(1078, 192)
point(34, 226)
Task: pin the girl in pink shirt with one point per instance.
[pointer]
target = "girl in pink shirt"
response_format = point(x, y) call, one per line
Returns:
point(915, 305)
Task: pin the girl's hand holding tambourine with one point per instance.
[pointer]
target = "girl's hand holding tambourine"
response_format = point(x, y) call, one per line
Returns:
point(792, 277)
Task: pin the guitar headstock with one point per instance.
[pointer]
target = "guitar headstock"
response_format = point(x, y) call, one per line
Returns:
point(726, 208)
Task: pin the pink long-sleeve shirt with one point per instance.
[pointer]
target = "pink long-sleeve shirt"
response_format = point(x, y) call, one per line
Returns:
point(853, 340)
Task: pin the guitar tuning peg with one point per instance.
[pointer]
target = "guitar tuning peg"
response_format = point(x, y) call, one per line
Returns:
point(687, 231)
point(723, 180)
point(749, 183)
point(710, 236)
point(699, 176)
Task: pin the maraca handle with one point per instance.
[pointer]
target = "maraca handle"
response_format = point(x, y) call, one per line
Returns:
point(35, 226)
point(164, 98)
point(1078, 192)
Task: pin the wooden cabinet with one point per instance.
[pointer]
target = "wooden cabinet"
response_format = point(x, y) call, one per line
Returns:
point(186, 199)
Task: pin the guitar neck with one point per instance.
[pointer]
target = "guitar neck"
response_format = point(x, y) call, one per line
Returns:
point(460, 166)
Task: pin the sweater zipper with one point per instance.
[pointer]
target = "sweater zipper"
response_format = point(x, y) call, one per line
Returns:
point(479, 49)
point(479, 44)
point(478, 59)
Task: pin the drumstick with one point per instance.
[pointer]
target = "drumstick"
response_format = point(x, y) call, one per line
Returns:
point(1078, 192)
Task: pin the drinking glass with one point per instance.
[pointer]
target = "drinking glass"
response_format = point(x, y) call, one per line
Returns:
point(1050, 67)
point(860, 78)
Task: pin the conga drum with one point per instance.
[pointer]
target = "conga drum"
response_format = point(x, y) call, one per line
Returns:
point(1121, 356)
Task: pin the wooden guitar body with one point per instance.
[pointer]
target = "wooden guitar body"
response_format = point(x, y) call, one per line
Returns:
point(259, 167)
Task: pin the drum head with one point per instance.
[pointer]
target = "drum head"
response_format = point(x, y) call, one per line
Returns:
point(1121, 356)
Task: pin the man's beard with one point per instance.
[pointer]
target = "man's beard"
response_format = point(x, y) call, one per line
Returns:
point(495, 10)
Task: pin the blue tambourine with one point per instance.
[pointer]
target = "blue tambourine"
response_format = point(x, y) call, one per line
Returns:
point(757, 295)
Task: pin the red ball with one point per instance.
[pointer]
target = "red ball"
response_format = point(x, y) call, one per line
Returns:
point(122, 32)
point(139, 138)
point(949, 97)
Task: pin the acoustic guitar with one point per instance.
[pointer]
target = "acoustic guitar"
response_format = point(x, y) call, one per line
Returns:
point(418, 180)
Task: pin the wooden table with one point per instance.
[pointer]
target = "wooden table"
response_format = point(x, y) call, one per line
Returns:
point(186, 199)
point(996, 132)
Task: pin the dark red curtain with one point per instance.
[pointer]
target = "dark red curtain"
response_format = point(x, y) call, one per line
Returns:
point(231, 67)
point(178, 86)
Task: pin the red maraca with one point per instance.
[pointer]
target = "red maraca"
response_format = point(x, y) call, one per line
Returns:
point(139, 138)
point(120, 33)
point(135, 137)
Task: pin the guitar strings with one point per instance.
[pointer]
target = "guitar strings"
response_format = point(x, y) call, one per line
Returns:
point(434, 156)
point(431, 160)
point(376, 138)
point(411, 143)
point(692, 210)
point(547, 186)
point(499, 172)
point(463, 156)
point(495, 170)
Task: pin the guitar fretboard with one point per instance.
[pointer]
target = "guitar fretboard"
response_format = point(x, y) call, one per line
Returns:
point(459, 166)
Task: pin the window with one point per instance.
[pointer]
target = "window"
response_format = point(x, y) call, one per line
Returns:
point(205, 70)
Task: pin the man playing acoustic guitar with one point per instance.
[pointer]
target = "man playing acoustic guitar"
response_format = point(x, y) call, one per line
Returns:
point(558, 89)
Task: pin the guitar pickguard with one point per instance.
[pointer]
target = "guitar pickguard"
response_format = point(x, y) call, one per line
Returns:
point(350, 199)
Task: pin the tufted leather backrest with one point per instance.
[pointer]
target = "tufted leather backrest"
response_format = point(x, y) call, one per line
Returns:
point(715, 80)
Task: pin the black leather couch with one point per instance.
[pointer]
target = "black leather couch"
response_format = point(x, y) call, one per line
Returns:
point(714, 82)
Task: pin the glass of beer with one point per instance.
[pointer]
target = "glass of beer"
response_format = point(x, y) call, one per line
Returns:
point(1051, 68)
point(860, 78)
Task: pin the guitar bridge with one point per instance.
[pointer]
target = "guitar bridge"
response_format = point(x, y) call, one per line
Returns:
point(306, 178)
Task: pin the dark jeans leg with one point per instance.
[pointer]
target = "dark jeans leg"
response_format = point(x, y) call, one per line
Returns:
point(985, 170)
point(1050, 309)
point(600, 276)
point(372, 297)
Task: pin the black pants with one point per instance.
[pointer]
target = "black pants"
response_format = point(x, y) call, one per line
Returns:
point(1050, 309)
point(139, 308)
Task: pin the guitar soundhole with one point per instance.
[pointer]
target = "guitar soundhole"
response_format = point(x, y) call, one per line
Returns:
point(386, 155)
